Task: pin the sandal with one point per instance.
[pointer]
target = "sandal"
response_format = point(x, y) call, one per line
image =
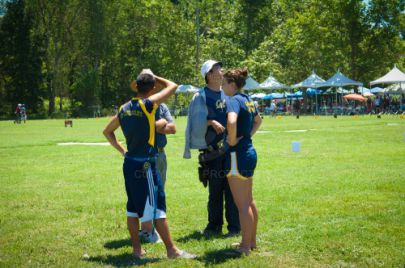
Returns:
point(184, 255)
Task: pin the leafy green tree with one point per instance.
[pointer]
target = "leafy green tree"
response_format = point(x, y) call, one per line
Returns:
point(20, 62)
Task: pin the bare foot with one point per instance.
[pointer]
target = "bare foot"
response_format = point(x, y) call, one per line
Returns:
point(173, 252)
point(243, 250)
point(138, 252)
point(237, 245)
point(253, 246)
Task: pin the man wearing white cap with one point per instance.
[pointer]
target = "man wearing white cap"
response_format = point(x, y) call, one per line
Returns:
point(205, 131)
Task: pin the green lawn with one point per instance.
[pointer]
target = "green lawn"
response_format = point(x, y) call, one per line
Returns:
point(339, 202)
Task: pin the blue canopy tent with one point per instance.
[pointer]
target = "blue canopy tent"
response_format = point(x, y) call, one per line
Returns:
point(339, 80)
point(272, 96)
point(251, 84)
point(310, 82)
point(377, 90)
point(363, 90)
point(313, 92)
point(258, 96)
point(297, 94)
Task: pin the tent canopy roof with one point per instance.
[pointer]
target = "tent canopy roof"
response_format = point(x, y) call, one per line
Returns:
point(310, 82)
point(339, 80)
point(377, 90)
point(257, 96)
point(272, 83)
point(186, 89)
point(251, 84)
point(393, 76)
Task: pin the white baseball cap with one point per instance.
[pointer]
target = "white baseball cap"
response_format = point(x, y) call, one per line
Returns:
point(207, 66)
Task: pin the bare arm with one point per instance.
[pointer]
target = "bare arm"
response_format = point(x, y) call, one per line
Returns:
point(216, 125)
point(256, 124)
point(160, 125)
point(169, 129)
point(170, 88)
point(163, 127)
point(231, 128)
point(112, 139)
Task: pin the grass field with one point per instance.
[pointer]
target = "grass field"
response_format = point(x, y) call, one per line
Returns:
point(339, 202)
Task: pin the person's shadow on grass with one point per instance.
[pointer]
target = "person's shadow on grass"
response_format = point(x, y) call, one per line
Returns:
point(218, 256)
point(197, 235)
point(127, 259)
point(122, 260)
point(115, 244)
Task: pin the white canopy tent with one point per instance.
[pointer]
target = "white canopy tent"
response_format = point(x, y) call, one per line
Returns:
point(394, 88)
point(186, 89)
point(392, 77)
point(395, 76)
point(251, 84)
point(271, 83)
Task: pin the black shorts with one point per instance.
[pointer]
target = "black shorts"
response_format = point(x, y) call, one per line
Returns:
point(146, 197)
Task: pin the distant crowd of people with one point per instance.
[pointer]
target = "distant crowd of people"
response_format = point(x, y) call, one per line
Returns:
point(388, 103)
point(20, 114)
point(385, 104)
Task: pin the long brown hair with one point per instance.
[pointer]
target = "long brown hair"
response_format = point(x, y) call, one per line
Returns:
point(238, 76)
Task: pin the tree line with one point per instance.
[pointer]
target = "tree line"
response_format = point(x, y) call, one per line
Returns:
point(75, 56)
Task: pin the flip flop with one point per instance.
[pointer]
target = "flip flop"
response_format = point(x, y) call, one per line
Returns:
point(184, 255)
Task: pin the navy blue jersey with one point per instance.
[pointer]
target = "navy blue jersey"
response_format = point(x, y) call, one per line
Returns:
point(216, 111)
point(245, 108)
point(137, 120)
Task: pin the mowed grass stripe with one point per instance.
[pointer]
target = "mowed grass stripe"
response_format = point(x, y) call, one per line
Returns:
point(338, 202)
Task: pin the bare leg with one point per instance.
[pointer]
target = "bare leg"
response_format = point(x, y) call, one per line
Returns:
point(256, 220)
point(147, 226)
point(133, 226)
point(242, 194)
point(163, 230)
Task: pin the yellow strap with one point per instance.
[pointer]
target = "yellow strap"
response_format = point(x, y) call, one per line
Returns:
point(122, 106)
point(151, 119)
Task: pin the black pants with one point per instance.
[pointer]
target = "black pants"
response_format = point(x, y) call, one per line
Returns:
point(218, 188)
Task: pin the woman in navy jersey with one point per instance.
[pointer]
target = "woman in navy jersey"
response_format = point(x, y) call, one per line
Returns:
point(144, 188)
point(241, 158)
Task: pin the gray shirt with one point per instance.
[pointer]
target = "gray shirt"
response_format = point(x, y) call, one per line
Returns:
point(162, 112)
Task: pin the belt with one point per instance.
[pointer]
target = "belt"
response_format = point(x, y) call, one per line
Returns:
point(141, 159)
point(161, 150)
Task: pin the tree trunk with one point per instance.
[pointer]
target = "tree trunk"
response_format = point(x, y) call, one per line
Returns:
point(60, 96)
point(51, 92)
